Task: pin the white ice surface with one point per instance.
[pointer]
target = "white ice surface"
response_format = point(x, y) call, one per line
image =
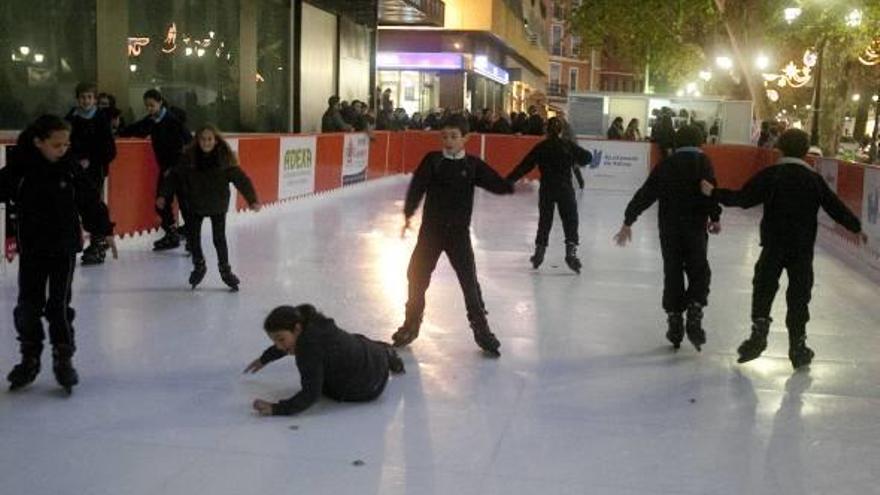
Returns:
point(587, 397)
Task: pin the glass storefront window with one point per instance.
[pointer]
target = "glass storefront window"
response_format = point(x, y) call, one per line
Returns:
point(45, 50)
point(273, 55)
point(192, 57)
point(413, 91)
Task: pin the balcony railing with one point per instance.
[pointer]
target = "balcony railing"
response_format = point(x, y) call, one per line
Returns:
point(557, 89)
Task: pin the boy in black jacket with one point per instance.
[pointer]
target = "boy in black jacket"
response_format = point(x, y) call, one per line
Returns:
point(447, 180)
point(791, 193)
point(51, 192)
point(684, 217)
point(556, 158)
point(168, 136)
point(93, 147)
point(345, 367)
point(203, 177)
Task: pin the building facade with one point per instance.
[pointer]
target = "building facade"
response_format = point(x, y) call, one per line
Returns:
point(245, 65)
point(487, 54)
point(572, 66)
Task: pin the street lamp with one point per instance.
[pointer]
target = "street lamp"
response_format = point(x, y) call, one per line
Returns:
point(705, 75)
point(762, 62)
point(724, 63)
point(791, 14)
point(854, 18)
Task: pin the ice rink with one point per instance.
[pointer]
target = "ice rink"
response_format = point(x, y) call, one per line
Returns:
point(586, 398)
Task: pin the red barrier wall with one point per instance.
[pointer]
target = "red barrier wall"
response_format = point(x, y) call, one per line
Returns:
point(258, 157)
point(736, 164)
point(132, 187)
point(328, 163)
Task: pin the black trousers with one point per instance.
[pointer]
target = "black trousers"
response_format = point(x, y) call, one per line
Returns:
point(456, 243)
point(218, 231)
point(685, 256)
point(166, 214)
point(565, 201)
point(35, 274)
point(768, 269)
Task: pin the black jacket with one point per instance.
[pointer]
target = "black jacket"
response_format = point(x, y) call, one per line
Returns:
point(555, 158)
point(535, 126)
point(92, 139)
point(675, 182)
point(342, 366)
point(791, 193)
point(332, 121)
point(204, 182)
point(501, 126)
point(448, 187)
point(168, 137)
point(49, 200)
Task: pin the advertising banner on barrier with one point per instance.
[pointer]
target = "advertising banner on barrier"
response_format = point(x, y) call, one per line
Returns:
point(617, 165)
point(296, 166)
point(871, 209)
point(355, 157)
point(827, 167)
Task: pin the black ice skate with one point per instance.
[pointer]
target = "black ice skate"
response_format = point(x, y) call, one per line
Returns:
point(485, 338)
point(170, 241)
point(395, 364)
point(798, 353)
point(571, 258)
point(65, 374)
point(405, 335)
point(538, 257)
point(694, 327)
point(95, 253)
point(24, 373)
point(675, 331)
point(229, 278)
point(752, 347)
point(198, 273)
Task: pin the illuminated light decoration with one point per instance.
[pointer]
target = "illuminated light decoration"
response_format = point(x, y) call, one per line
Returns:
point(856, 97)
point(691, 88)
point(260, 78)
point(762, 61)
point(136, 45)
point(680, 92)
point(170, 43)
point(211, 34)
point(792, 75)
point(25, 50)
point(854, 18)
point(791, 14)
point(188, 51)
point(39, 57)
point(724, 62)
point(871, 56)
point(773, 95)
point(808, 107)
point(875, 98)
point(200, 52)
point(705, 75)
point(133, 67)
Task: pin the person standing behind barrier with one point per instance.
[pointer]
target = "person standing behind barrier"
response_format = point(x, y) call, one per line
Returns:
point(632, 132)
point(332, 120)
point(203, 177)
point(93, 147)
point(615, 131)
point(55, 199)
point(685, 216)
point(107, 103)
point(535, 123)
point(569, 135)
point(447, 179)
point(555, 157)
point(663, 132)
point(168, 136)
point(791, 193)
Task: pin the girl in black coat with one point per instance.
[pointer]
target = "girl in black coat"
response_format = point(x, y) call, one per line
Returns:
point(343, 366)
point(203, 177)
point(555, 158)
point(51, 192)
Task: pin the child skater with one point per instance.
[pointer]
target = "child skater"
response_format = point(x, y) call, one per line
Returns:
point(447, 179)
point(791, 193)
point(684, 217)
point(51, 192)
point(92, 146)
point(168, 136)
point(555, 157)
point(343, 366)
point(203, 177)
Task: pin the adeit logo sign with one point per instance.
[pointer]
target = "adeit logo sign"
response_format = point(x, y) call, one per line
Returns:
point(297, 159)
point(597, 158)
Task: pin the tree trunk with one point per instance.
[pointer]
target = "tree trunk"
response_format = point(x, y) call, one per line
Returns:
point(756, 90)
point(836, 73)
point(862, 114)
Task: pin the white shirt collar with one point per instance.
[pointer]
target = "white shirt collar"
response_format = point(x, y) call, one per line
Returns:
point(458, 156)
point(797, 161)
